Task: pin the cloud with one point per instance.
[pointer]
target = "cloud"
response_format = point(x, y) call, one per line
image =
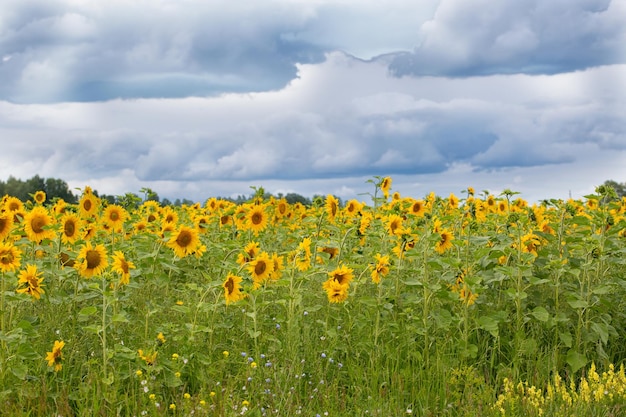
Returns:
point(478, 37)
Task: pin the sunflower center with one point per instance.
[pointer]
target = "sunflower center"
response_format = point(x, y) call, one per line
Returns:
point(6, 257)
point(87, 205)
point(224, 220)
point(230, 286)
point(3, 224)
point(69, 228)
point(14, 206)
point(124, 267)
point(93, 259)
point(340, 278)
point(260, 268)
point(257, 218)
point(114, 216)
point(151, 218)
point(184, 239)
point(37, 224)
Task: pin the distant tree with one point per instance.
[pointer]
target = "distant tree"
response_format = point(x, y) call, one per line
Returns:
point(53, 187)
point(293, 198)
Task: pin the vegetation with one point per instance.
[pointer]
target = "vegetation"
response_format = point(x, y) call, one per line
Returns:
point(460, 306)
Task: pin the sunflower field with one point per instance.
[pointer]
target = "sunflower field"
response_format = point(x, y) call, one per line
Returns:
point(460, 306)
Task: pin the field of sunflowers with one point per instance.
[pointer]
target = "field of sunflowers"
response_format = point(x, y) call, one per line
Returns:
point(476, 304)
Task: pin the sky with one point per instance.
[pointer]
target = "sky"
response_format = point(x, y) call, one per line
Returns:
point(202, 98)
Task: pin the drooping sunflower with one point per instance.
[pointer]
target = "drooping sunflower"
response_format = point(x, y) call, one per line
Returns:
point(385, 186)
point(277, 260)
point(302, 255)
point(332, 207)
point(114, 216)
point(445, 241)
point(55, 358)
point(122, 267)
point(337, 293)
point(330, 250)
point(70, 228)
point(184, 241)
point(530, 243)
point(202, 223)
point(88, 205)
point(148, 357)
point(381, 268)
point(9, 257)
point(6, 225)
point(260, 268)
point(91, 260)
point(453, 202)
point(232, 289)
point(36, 225)
point(29, 282)
point(249, 253)
point(256, 219)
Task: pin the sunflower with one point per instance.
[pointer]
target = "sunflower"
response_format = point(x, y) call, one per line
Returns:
point(342, 275)
point(39, 197)
point(250, 252)
point(13, 205)
point(70, 224)
point(36, 225)
point(418, 208)
point(168, 215)
point(114, 216)
point(282, 208)
point(278, 266)
point(148, 357)
point(55, 358)
point(394, 225)
point(453, 201)
point(352, 208)
point(201, 223)
point(184, 241)
point(30, 277)
point(260, 268)
point(122, 267)
point(530, 243)
point(337, 293)
point(256, 219)
point(302, 255)
point(385, 186)
point(232, 289)
point(88, 205)
point(91, 260)
point(381, 268)
point(6, 225)
point(331, 251)
point(59, 207)
point(445, 241)
point(226, 220)
point(332, 207)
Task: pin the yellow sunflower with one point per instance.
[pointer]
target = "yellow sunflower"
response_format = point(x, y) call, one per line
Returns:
point(39, 197)
point(331, 251)
point(88, 205)
point(184, 241)
point(394, 225)
point(260, 268)
point(13, 205)
point(31, 278)
point(381, 268)
point(9, 257)
point(36, 225)
point(342, 275)
point(6, 225)
point(122, 267)
point(232, 289)
point(91, 260)
point(385, 186)
point(250, 252)
point(114, 216)
point(445, 241)
point(70, 228)
point(302, 256)
point(55, 358)
point(352, 208)
point(59, 207)
point(256, 219)
point(282, 208)
point(278, 266)
point(168, 215)
point(332, 207)
point(337, 293)
point(418, 208)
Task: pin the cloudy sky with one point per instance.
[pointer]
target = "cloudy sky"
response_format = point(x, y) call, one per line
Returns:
point(201, 98)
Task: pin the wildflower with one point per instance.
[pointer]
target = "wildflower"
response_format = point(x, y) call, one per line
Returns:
point(172, 406)
point(94, 260)
point(225, 353)
point(30, 277)
point(55, 358)
point(186, 396)
point(232, 289)
point(253, 365)
point(139, 373)
point(149, 358)
point(160, 338)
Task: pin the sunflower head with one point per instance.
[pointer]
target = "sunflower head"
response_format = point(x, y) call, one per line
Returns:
point(92, 260)
point(39, 197)
point(37, 224)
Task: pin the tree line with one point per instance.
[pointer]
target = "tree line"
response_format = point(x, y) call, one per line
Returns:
point(56, 188)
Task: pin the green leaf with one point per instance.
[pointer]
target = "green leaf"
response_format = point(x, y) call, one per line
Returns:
point(19, 370)
point(87, 311)
point(120, 318)
point(602, 331)
point(575, 360)
point(412, 282)
point(602, 289)
point(566, 338)
point(541, 314)
point(254, 334)
point(578, 303)
point(489, 324)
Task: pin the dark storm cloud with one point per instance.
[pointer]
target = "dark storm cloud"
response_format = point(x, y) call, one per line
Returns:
point(477, 37)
